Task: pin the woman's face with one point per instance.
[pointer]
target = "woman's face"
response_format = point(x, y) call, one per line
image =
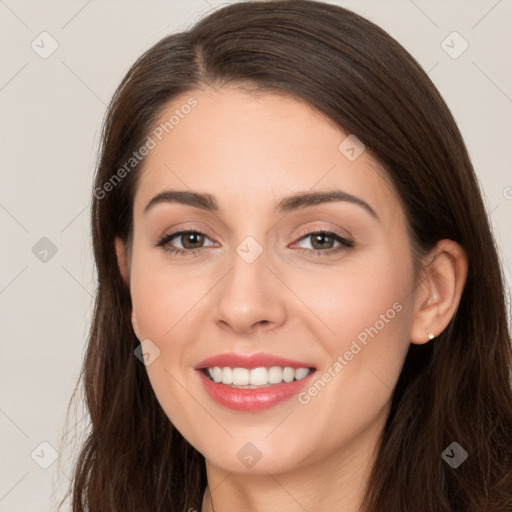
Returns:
point(260, 276)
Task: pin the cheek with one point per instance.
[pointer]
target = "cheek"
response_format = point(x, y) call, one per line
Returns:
point(364, 348)
point(360, 293)
point(163, 302)
point(161, 297)
point(362, 317)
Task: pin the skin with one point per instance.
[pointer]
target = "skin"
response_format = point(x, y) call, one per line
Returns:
point(250, 150)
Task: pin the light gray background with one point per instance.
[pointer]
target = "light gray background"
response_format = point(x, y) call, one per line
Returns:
point(51, 113)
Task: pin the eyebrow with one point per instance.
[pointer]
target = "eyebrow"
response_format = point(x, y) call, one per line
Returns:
point(288, 204)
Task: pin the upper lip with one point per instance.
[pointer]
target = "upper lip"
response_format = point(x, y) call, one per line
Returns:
point(258, 360)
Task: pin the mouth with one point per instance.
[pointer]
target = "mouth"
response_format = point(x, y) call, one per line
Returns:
point(253, 383)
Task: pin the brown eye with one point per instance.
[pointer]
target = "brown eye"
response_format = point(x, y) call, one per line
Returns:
point(192, 240)
point(323, 242)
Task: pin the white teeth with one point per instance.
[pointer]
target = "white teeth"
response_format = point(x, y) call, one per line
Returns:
point(240, 377)
point(300, 373)
point(275, 375)
point(217, 374)
point(288, 374)
point(227, 375)
point(255, 377)
point(258, 377)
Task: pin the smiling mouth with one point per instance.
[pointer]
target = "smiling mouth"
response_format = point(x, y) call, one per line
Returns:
point(254, 378)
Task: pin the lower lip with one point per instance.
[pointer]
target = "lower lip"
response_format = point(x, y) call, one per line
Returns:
point(257, 399)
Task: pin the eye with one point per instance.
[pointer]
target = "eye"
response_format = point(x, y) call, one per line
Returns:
point(323, 241)
point(191, 241)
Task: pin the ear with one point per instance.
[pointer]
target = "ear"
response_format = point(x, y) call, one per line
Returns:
point(122, 260)
point(438, 295)
point(124, 268)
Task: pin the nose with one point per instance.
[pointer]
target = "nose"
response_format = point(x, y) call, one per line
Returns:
point(250, 297)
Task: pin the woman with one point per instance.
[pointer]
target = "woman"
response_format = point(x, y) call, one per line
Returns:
point(300, 304)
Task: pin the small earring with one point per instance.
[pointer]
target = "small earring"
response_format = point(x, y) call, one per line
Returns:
point(429, 334)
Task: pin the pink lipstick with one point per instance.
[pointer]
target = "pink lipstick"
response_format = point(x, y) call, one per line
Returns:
point(253, 382)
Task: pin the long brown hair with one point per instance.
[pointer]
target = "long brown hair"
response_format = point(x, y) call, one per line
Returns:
point(456, 388)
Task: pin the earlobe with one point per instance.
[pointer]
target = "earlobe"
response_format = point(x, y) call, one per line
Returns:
point(122, 260)
point(438, 296)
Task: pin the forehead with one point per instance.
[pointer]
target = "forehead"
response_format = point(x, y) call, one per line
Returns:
point(250, 149)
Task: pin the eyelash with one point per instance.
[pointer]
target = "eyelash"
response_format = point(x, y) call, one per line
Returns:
point(345, 244)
